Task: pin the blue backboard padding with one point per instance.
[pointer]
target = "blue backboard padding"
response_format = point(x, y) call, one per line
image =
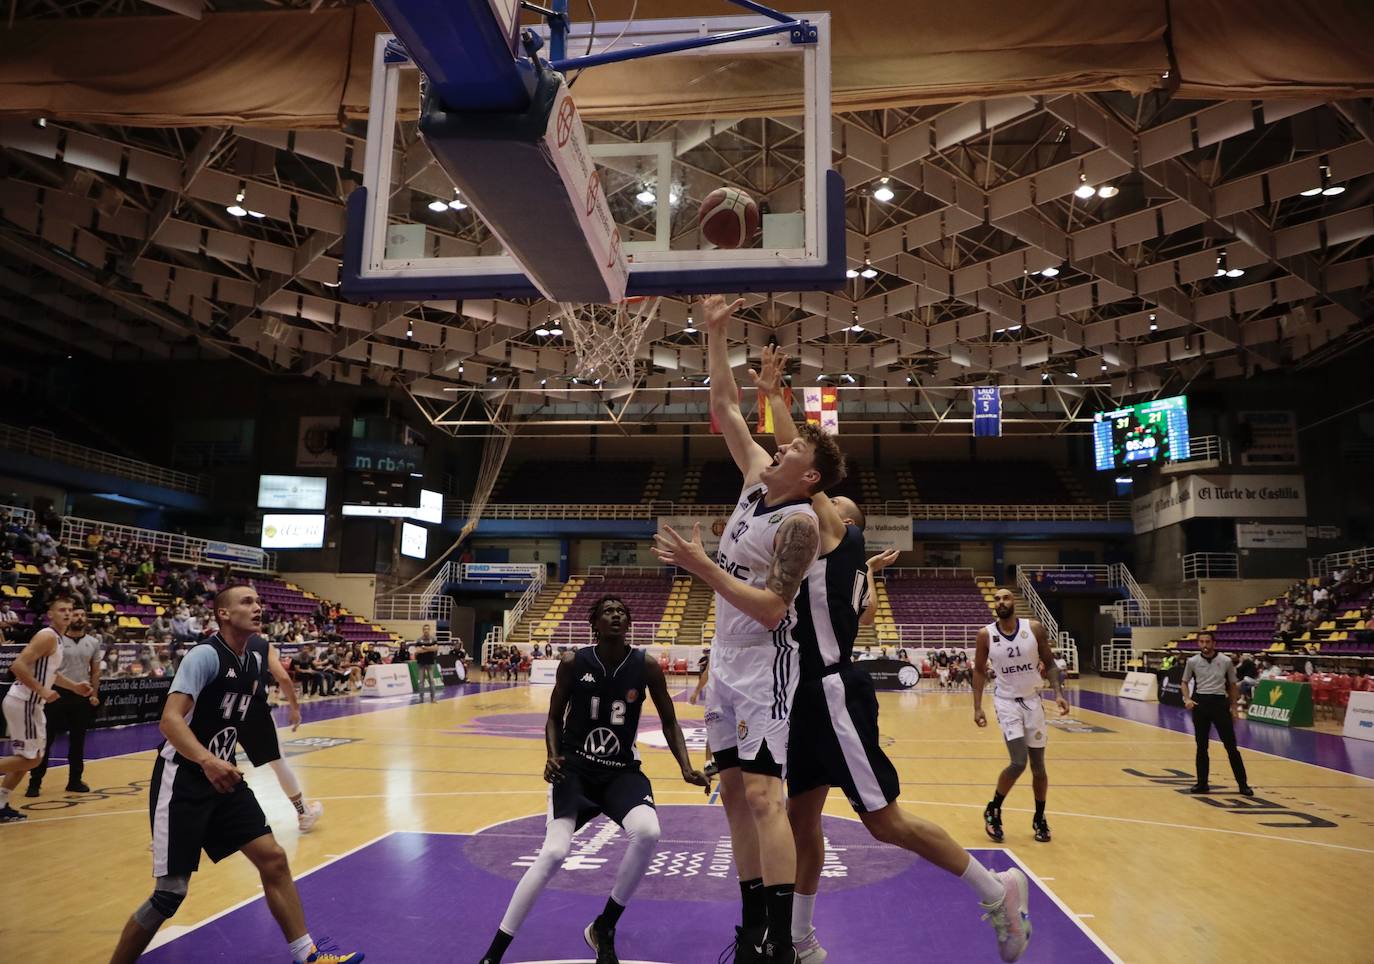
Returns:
point(459, 46)
point(646, 282)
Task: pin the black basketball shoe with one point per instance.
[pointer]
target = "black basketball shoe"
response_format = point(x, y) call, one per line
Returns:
point(992, 822)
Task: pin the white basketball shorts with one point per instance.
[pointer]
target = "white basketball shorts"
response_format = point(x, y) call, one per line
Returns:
point(749, 698)
point(27, 725)
point(1022, 717)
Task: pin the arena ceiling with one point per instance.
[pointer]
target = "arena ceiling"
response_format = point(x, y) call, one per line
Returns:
point(988, 266)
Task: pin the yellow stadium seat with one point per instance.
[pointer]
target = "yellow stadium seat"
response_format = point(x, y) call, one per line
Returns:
point(8, 592)
point(23, 592)
point(144, 599)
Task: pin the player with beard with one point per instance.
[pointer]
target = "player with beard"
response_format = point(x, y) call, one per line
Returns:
point(1015, 648)
point(593, 768)
point(73, 712)
point(834, 739)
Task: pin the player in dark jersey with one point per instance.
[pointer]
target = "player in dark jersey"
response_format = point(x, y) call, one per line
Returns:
point(593, 767)
point(199, 800)
point(258, 735)
point(834, 738)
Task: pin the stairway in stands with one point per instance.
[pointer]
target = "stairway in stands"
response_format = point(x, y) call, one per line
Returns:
point(520, 633)
point(700, 607)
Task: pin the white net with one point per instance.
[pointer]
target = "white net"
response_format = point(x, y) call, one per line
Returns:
point(606, 337)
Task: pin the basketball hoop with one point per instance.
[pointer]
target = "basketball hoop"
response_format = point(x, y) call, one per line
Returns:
point(606, 337)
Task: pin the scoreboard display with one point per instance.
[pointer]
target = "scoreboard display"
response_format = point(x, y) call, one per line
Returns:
point(1144, 433)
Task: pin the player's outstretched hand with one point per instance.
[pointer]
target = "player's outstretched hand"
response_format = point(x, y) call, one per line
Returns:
point(696, 778)
point(673, 550)
point(980, 717)
point(882, 560)
point(716, 314)
point(553, 770)
point(221, 774)
point(1063, 705)
point(768, 379)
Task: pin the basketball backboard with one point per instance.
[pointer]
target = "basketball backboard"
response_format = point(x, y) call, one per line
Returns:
point(753, 114)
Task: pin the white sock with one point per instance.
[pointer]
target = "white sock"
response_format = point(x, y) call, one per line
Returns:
point(803, 907)
point(287, 778)
point(4, 797)
point(641, 827)
point(301, 947)
point(984, 883)
point(557, 843)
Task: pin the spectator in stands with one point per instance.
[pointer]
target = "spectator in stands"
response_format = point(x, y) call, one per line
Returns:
point(159, 627)
point(7, 574)
point(120, 592)
point(111, 663)
point(195, 625)
point(8, 616)
point(1247, 675)
point(350, 664)
point(94, 539)
point(44, 546)
point(307, 671)
point(402, 653)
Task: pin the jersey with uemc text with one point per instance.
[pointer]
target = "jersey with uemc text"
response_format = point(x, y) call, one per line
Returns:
point(1015, 659)
point(746, 552)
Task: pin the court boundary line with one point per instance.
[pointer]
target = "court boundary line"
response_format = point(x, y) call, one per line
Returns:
point(173, 938)
point(1058, 902)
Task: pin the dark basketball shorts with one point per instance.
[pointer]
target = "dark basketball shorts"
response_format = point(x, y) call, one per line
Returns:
point(189, 815)
point(585, 792)
point(834, 742)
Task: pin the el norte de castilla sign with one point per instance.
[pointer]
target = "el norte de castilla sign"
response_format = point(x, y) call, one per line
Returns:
point(1220, 497)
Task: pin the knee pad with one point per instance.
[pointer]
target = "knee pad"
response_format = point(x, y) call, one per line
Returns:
point(168, 893)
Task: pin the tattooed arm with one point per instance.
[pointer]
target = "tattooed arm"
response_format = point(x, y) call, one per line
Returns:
point(794, 549)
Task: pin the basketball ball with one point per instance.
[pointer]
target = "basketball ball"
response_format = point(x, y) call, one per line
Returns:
point(729, 218)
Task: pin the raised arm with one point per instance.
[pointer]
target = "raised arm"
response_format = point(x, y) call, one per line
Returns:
point(875, 565)
point(749, 456)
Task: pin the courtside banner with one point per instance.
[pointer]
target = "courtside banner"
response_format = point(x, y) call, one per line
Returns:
point(1359, 717)
point(1140, 686)
point(1281, 703)
point(544, 671)
point(387, 679)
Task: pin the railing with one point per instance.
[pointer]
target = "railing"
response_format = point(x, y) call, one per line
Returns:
point(927, 512)
point(1120, 575)
point(1162, 612)
point(44, 444)
point(604, 571)
point(526, 600)
point(929, 572)
point(918, 634)
point(1211, 565)
point(179, 548)
point(1208, 448)
point(1069, 654)
point(1336, 561)
point(1113, 657)
point(413, 606)
point(18, 513)
point(1058, 638)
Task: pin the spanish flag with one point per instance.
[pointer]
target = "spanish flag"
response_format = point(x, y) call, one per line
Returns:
point(766, 426)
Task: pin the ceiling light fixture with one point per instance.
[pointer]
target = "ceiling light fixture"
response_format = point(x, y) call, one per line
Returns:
point(1050, 272)
point(856, 327)
point(237, 209)
point(1073, 374)
point(1104, 366)
point(850, 378)
point(457, 203)
point(1084, 189)
point(437, 206)
point(1234, 272)
point(1107, 190)
point(869, 271)
point(852, 273)
point(410, 330)
point(1153, 325)
point(1014, 328)
point(882, 192)
point(556, 330)
point(1044, 376)
point(645, 196)
point(672, 197)
point(542, 332)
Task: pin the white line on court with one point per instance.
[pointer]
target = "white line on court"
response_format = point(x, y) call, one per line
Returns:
point(1076, 918)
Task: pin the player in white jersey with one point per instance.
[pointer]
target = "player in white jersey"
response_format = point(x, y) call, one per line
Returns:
point(35, 671)
point(1016, 649)
point(765, 551)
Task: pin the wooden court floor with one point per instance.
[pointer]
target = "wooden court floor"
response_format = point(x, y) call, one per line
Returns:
point(1154, 874)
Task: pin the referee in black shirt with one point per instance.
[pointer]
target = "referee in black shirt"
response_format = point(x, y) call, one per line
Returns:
point(1213, 701)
